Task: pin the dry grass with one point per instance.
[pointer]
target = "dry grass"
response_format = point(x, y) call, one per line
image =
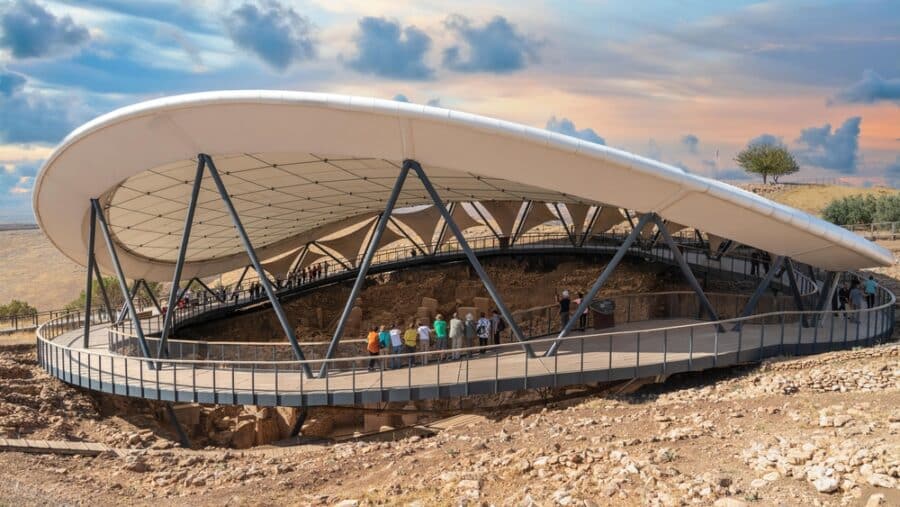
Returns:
point(35, 271)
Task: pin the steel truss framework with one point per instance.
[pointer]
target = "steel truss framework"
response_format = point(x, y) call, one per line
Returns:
point(205, 164)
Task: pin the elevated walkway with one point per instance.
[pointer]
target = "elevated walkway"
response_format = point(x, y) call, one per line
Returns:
point(209, 372)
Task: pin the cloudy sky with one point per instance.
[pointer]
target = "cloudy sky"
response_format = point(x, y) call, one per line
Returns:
point(688, 83)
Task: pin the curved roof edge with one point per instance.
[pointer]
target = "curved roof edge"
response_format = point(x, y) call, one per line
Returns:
point(686, 182)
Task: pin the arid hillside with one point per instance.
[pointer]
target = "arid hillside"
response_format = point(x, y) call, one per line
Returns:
point(33, 270)
point(812, 198)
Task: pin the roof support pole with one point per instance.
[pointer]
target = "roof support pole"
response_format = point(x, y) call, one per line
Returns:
point(251, 253)
point(686, 270)
point(826, 293)
point(383, 220)
point(208, 290)
point(329, 254)
point(184, 290)
point(598, 284)
point(109, 310)
point(239, 281)
point(182, 253)
point(795, 290)
point(92, 232)
point(443, 233)
point(486, 221)
point(590, 227)
point(128, 296)
point(408, 237)
point(521, 224)
point(570, 231)
point(120, 275)
point(150, 295)
point(473, 259)
point(758, 293)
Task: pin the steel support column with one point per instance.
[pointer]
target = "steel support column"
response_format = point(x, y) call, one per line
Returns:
point(590, 225)
point(239, 281)
point(383, 220)
point(182, 253)
point(795, 290)
point(473, 259)
point(521, 224)
point(120, 275)
point(251, 253)
point(92, 235)
point(330, 255)
point(208, 290)
point(760, 290)
point(686, 269)
point(128, 296)
point(598, 284)
point(408, 237)
point(443, 232)
point(109, 310)
point(829, 285)
point(486, 221)
point(150, 294)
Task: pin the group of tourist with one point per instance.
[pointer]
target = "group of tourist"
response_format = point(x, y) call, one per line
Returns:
point(458, 334)
point(853, 296)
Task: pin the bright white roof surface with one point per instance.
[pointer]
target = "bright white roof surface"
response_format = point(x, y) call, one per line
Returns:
point(297, 162)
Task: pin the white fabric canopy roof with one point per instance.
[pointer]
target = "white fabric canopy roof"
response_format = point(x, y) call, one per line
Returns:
point(297, 161)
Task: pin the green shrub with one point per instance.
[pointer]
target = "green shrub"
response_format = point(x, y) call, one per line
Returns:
point(863, 210)
point(16, 307)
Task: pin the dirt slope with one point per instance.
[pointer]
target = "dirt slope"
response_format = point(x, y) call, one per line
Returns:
point(822, 430)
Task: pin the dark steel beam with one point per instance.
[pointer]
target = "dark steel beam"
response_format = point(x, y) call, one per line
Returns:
point(383, 220)
point(795, 290)
point(590, 226)
point(686, 270)
point(109, 310)
point(120, 275)
point(92, 234)
point(408, 237)
point(473, 259)
point(598, 284)
point(251, 253)
point(330, 255)
point(750, 307)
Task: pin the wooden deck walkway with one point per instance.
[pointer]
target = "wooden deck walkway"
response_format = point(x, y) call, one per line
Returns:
point(52, 447)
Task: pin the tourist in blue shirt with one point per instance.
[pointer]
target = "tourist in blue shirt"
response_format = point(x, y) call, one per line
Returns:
point(870, 291)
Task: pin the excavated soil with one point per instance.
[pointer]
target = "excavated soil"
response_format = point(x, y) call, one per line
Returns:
point(821, 430)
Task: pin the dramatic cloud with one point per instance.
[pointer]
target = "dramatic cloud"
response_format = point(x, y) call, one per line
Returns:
point(273, 32)
point(892, 173)
point(28, 30)
point(766, 139)
point(495, 47)
point(870, 89)
point(385, 49)
point(837, 150)
point(16, 182)
point(11, 83)
point(565, 126)
point(691, 142)
point(28, 116)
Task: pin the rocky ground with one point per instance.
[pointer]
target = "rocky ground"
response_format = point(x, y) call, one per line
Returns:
point(822, 430)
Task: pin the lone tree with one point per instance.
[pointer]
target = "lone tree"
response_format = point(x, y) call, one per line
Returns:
point(767, 160)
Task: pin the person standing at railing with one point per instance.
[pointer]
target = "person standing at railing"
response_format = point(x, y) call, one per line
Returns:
point(410, 336)
point(564, 307)
point(396, 345)
point(424, 334)
point(483, 330)
point(470, 330)
point(324, 269)
point(841, 299)
point(384, 339)
point(857, 301)
point(457, 333)
point(870, 291)
point(582, 319)
point(373, 347)
point(754, 263)
point(440, 335)
point(497, 325)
